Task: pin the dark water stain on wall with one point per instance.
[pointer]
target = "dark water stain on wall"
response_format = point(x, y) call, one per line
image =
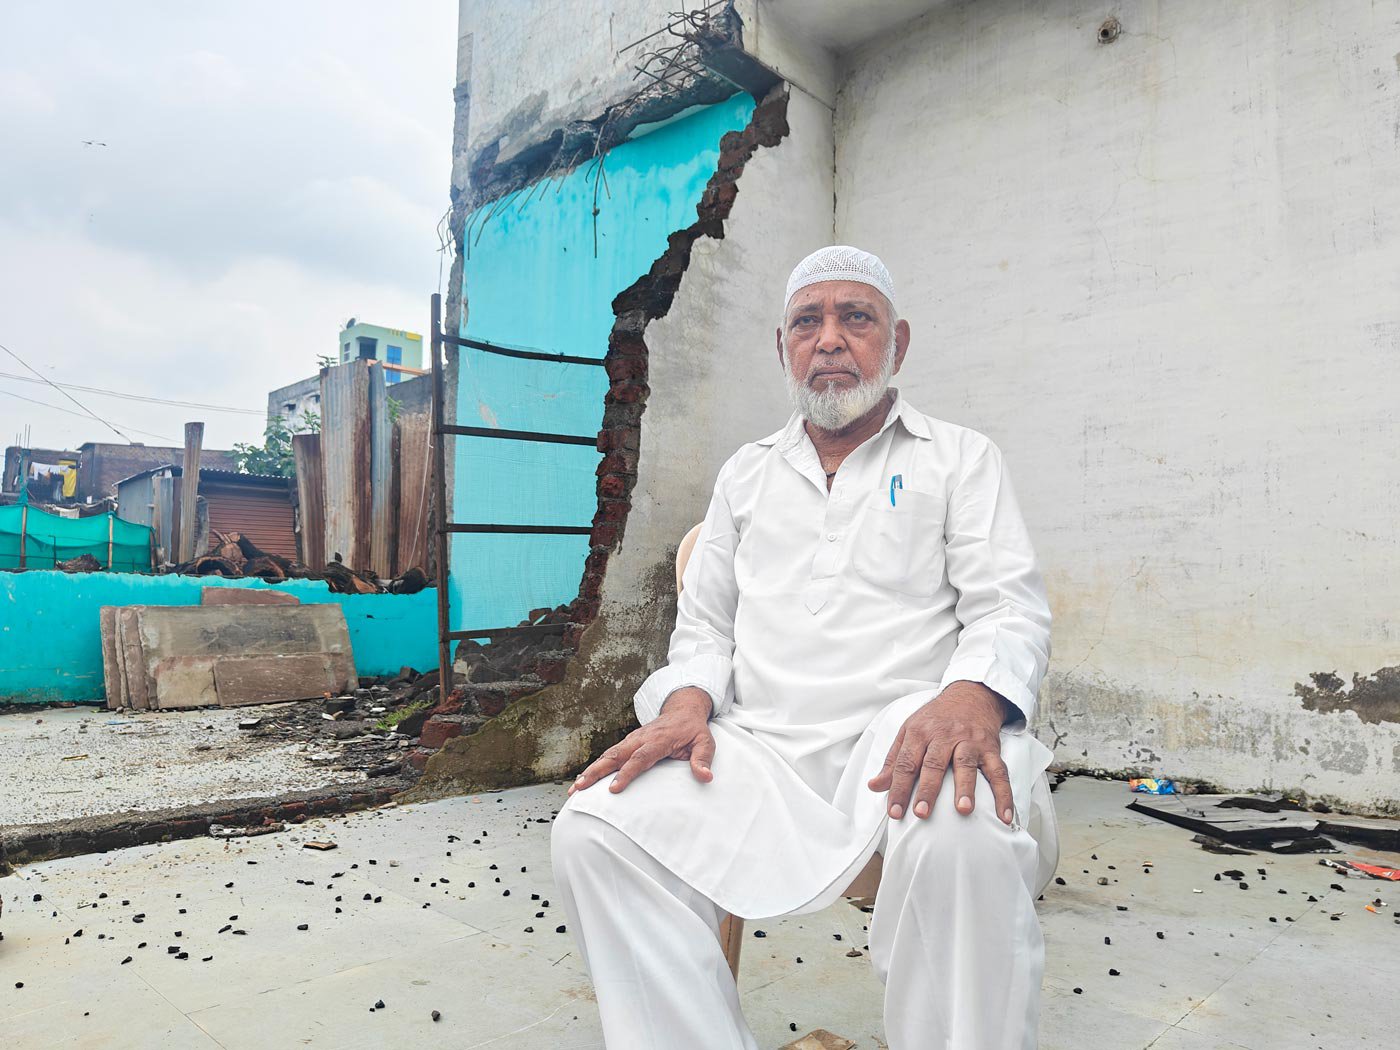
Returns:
point(1375, 698)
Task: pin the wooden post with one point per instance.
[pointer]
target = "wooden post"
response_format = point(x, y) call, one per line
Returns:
point(440, 492)
point(189, 490)
point(306, 453)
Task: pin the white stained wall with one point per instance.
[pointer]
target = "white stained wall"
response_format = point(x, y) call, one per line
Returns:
point(1164, 275)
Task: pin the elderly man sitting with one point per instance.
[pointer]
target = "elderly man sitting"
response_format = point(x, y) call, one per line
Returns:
point(859, 642)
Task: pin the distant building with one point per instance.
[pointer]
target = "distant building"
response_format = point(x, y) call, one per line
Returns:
point(52, 473)
point(257, 506)
point(294, 402)
point(92, 472)
point(392, 347)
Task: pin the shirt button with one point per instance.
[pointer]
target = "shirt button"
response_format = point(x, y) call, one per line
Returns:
point(831, 536)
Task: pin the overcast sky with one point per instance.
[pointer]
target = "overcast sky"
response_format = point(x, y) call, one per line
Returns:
point(269, 170)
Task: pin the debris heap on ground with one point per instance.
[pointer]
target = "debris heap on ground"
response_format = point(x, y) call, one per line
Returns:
point(233, 555)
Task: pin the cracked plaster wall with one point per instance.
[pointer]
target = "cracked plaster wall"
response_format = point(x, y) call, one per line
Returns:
point(1161, 274)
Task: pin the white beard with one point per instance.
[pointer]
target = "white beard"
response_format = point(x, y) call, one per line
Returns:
point(834, 407)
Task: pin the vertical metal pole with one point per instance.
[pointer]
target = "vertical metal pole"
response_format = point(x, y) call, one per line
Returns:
point(23, 527)
point(440, 490)
point(111, 525)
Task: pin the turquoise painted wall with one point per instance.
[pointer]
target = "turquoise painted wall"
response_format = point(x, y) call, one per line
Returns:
point(531, 279)
point(51, 647)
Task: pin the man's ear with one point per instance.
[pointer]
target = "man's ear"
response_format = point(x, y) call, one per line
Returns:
point(778, 332)
point(901, 342)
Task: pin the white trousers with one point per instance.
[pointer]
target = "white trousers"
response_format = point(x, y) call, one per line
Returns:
point(954, 936)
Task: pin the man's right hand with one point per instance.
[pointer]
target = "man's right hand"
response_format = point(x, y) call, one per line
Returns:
point(680, 731)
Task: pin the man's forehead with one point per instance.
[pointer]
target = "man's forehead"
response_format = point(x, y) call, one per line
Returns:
point(835, 293)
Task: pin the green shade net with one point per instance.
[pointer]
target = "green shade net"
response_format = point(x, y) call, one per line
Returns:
point(49, 539)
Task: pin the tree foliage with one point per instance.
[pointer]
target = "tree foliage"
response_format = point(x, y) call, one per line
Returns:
point(274, 455)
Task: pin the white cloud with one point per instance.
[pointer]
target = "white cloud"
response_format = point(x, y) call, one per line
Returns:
point(269, 170)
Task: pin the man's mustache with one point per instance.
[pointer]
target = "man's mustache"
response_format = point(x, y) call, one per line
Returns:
point(828, 370)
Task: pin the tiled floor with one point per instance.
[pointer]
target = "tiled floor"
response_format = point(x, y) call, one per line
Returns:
point(437, 932)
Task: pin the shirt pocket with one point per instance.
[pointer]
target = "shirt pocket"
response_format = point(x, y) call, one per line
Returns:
point(901, 547)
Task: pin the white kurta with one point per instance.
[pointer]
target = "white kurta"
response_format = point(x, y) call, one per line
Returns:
point(818, 622)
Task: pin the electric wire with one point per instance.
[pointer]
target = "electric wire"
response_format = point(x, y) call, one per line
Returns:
point(137, 396)
point(69, 411)
point(69, 396)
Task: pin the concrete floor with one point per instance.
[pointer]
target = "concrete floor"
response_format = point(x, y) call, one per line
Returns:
point(65, 762)
point(438, 932)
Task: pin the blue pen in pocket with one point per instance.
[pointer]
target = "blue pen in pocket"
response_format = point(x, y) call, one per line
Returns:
point(896, 482)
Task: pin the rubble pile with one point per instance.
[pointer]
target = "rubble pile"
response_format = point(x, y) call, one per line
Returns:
point(368, 729)
point(232, 554)
point(488, 678)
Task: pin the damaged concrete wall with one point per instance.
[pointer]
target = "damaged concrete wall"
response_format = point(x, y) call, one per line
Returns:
point(532, 74)
point(1161, 272)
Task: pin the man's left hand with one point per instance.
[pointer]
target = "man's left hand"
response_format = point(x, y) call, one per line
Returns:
point(961, 727)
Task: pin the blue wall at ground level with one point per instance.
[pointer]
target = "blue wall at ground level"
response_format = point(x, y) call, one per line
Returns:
point(51, 645)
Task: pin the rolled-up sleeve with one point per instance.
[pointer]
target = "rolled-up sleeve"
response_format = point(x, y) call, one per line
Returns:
point(701, 652)
point(1004, 642)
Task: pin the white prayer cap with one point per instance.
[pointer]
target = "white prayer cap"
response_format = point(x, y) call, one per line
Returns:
point(841, 262)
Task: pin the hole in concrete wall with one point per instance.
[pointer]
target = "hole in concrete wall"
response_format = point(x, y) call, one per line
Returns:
point(508, 669)
point(1110, 30)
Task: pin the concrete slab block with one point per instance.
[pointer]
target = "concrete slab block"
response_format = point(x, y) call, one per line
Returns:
point(111, 667)
point(136, 695)
point(268, 679)
point(245, 596)
point(183, 644)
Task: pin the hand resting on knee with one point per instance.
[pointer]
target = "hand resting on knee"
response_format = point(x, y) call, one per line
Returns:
point(680, 731)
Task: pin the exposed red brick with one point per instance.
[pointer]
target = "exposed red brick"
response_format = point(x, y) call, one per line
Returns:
point(629, 391)
point(613, 509)
point(491, 705)
point(592, 585)
point(619, 368)
point(551, 670)
point(436, 733)
point(621, 461)
point(613, 486)
point(604, 536)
